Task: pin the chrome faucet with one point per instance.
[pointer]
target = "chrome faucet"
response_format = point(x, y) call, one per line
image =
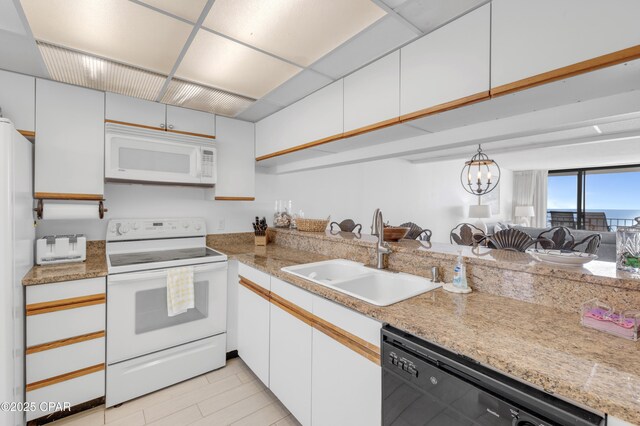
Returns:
point(382, 248)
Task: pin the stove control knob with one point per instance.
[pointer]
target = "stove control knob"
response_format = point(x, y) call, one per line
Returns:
point(136, 226)
point(186, 225)
point(112, 228)
point(124, 229)
point(198, 226)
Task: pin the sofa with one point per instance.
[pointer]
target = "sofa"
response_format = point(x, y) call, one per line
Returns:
point(606, 252)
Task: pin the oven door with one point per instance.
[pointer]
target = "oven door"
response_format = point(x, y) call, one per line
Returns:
point(137, 319)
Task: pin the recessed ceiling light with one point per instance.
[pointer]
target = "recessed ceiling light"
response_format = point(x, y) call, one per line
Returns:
point(90, 71)
point(120, 30)
point(215, 61)
point(597, 129)
point(195, 96)
point(301, 31)
point(186, 9)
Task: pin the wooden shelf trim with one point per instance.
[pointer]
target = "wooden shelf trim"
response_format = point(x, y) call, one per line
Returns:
point(63, 304)
point(370, 128)
point(260, 291)
point(235, 198)
point(447, 106)
point(583, 67)
point(589, 65)
point(64, 377)
point(64, 342)
point(27, 133)
point(142, 126)
point(200, 135)
point(161, 129)
point(63, 196)
point(301, 147)
point(351, 341)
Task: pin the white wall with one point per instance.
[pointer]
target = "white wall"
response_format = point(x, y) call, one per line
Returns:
point(155, 201)
point(427, 194)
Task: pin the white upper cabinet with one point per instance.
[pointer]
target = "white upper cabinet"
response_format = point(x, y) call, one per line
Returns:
point(533, 37)
point(449, 64)
point(236, 154)
point(18, 99)
point(159, 116)
point(318, 116)
point(372, 94)
point(69, 152)
point(135, 111)
point(190, 121)
point(271, 132)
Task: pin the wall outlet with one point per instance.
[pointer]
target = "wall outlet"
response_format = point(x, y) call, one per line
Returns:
point(221, 224)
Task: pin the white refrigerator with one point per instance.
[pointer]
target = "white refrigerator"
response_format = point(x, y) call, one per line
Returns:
point(17, 235)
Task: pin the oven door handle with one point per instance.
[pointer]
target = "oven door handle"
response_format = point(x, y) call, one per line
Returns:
point(162, 273)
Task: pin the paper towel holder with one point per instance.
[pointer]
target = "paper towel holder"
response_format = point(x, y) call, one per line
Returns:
point(40, 209)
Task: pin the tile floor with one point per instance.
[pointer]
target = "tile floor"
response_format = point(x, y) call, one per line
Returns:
point(232, 395)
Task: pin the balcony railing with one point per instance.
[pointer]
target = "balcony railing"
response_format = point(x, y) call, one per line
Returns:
point(591, 221)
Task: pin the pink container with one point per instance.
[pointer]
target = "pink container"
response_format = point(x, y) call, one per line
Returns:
point(602, 317)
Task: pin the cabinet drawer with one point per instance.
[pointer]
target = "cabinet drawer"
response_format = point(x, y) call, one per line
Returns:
point(292, 294)
point(75, 391)
point(64, 290)
point(255, 276)
point(52, 326)
point(357, 324)
point(53, 362)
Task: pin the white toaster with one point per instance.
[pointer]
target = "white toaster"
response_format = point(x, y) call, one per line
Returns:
point(61, 249)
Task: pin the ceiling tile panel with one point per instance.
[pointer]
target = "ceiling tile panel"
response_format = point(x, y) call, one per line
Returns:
point(116, 29)
point(77, 68)
point(187, 9)
point(196, 96)
point(215, 61)
point(429, 15)
point(300, 31)
point(376, 41)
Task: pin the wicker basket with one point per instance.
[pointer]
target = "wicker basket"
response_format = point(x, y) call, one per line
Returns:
point(312, 225)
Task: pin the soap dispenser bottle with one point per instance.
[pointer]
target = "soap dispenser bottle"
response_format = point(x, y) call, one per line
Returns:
point(460, 273)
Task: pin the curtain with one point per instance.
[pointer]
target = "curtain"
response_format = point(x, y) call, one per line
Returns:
point(530, 189)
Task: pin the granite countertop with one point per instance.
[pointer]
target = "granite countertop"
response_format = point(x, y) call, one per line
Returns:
point(543, 346)
point(94, 266)
point(603, 273)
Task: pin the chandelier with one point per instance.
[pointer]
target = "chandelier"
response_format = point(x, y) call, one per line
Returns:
point(480, 175)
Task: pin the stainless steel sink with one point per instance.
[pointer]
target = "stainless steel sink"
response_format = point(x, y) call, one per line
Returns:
point(381, 288)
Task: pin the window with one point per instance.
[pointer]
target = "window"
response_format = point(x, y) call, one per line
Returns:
point(595, 199)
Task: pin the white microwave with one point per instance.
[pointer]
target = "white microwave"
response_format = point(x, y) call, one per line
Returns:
point(134, 154)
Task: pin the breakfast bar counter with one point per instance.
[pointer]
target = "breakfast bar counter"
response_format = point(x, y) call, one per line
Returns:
point(539, 344)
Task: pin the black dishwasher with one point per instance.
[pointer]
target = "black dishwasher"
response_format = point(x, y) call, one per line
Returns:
point(424, 384)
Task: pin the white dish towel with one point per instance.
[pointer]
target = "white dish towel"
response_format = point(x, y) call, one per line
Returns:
point(179, 290)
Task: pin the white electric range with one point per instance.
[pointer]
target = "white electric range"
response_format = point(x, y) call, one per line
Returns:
point(147, 349)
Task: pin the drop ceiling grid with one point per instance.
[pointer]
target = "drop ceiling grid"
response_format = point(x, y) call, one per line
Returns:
point(183, 15)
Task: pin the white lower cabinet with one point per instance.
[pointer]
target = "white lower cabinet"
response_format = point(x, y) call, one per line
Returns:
point(302, 346)
point(65, 339)
point(346, 387)
point(253, 323)
point(290, 353)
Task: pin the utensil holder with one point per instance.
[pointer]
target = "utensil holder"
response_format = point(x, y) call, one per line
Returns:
point(261, 240)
